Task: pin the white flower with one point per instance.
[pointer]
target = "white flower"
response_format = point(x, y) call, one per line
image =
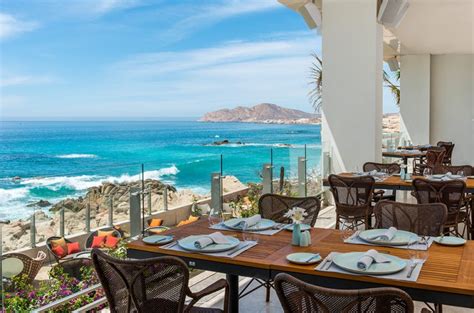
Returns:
point(296, 214)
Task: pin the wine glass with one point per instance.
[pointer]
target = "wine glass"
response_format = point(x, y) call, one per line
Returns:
point(418, 251)
point(215, 217)
point(427, 172)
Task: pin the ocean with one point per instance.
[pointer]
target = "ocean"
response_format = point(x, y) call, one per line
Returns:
point(55, 160)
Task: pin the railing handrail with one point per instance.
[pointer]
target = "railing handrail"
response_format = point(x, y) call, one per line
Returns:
point(91, 305)
point(64, 300)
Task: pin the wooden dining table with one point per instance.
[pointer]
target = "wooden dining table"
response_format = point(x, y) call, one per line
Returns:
point(404, 154)
point(447, 277)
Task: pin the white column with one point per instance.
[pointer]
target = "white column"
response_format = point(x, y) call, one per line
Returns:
point(452, 104)
point(415, 98)
point(352, 87)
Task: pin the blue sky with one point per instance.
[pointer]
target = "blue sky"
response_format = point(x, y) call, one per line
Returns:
point(119, 59)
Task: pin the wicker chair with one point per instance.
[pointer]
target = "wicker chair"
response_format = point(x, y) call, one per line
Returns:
point(451, 193)
point(434, 157)
point(151, 285)
point(390, 168)
point(49, 247)
point(454, 169)
point(353, 198)
point(31, 266)
point(421, 219)
point(273, 207)
point(449, 147)
point(90, 238)
point(297, 296)
point(73, 267)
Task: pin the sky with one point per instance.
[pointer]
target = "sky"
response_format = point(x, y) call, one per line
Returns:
point(132, 59)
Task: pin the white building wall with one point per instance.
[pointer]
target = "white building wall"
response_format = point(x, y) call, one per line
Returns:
point(452, 104)
point(415, 98)
point(352, 96)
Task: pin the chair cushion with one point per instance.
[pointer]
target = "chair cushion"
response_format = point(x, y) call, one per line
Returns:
point(98, 241)
point(105, 233)
point(59, 251)
point(192, 219)
point(111, 242)
point(73, 247)
point(156, 222)
point(182, 223)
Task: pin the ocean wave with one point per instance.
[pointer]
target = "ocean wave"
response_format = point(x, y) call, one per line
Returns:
point(77, 156)
point(8, 195)
point(273, 145)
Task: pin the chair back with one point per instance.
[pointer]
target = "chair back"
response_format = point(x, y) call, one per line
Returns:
point(391, 168)
point(449, 147)
point(31, 266)
point(352, 195)
point(451, 193)
point(273, 207)
point(435, 156)
point(150, 285)
point(421, 219)
point(454, 169)
point(91, 236)
point(297, 296)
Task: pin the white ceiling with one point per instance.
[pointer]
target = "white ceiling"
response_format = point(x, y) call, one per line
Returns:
point(436, 27)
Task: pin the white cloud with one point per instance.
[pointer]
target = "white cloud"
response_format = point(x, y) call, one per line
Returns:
point(11, 26)
point(201, 16)
point(21, 80)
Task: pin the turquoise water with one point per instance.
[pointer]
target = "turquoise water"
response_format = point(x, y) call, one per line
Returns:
point(59, 159)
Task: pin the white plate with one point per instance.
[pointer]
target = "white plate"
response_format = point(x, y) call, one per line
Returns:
point(157, 240)
point(188, 244)
point(348, 262)
point(303, 257)
point(264, 224)
point(401, 237)
point(303, 227)
point(450, 241)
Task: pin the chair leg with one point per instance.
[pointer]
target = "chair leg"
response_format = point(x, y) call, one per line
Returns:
point(268, 287)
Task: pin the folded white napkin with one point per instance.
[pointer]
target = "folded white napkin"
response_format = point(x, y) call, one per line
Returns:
point(370, 257)
point(249, 221)
point(387, 235)
point(205, 241)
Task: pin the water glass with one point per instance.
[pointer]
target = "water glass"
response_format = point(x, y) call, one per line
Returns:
point(215, 217)
point(418, 249)
point(247, 235)
point(346, 232)
point(460, 173)
point(427, 172)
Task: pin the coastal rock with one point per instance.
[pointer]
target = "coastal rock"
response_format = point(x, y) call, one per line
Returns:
point(41, 204)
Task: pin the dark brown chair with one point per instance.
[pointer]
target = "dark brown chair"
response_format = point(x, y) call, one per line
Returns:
point(157, 284)
point(453, 169)
point(273, 207)
point(451, 193)
point(390, 168)
point(353, 198)
point(49, 247)
point(90, 238)
point(31, 266)
point(449, 147)
point(421, 219)
point(73, 267)
point(297, 296)
point(434, 157)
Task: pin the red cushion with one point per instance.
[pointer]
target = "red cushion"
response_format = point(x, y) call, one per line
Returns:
point(73, 247)
point(98, 242)
point(59, 251)
point(111, 241)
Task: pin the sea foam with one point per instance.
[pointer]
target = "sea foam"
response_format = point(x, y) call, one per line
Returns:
point(77, 156)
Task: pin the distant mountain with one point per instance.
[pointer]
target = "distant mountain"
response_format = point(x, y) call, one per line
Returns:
point(262, 113)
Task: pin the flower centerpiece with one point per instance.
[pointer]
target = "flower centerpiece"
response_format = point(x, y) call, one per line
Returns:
point(297, 215)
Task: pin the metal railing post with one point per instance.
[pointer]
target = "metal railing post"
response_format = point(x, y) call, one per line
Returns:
point(135, 212)
point(302, 177)
point(149, 201)
point(61, 222)
point(88, 218)
point(165, 198)
point(1, 254)
point(111, 211)
point(267, 178)
point(216, 194)
point(33, 230)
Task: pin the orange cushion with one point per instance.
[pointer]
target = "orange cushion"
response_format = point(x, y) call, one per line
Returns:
point(156, 222)
point(193, 218)
point(59, 251)
point(73, 247)
point(183, 223)
point(105, 233)
point(98, 241)
point(111, 242)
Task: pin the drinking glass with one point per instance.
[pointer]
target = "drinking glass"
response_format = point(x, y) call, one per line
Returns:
point(215, 217)
point(460, 173)
point(346, 232)
point(427, 172)
point(418, 249)
point(247, 235)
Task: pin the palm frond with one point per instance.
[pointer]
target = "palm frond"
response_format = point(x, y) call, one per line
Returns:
point(316, 81)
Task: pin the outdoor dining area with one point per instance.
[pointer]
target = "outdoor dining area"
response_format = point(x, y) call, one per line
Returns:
point(381, 256)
